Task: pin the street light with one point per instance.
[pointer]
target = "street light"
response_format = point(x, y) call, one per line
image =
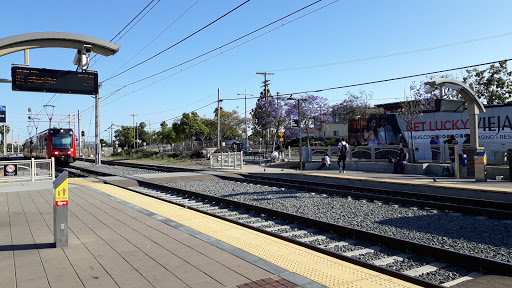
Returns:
point(299, 126)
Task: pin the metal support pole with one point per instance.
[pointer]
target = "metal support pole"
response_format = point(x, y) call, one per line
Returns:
point(32, 169)
point(97, 158)
point(300, 130)
point(5, 139)
point(79, 135)
point(218, 118)
point(52, 168)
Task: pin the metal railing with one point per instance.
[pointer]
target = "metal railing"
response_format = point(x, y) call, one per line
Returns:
point(29, 170)
point(230, 160)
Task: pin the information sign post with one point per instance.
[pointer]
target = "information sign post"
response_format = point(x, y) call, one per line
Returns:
point(60, 210)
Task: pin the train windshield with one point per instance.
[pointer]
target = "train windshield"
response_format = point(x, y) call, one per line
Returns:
point(64, 141)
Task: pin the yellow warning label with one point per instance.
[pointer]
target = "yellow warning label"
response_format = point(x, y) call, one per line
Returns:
point(481, 159)
point(62, 193)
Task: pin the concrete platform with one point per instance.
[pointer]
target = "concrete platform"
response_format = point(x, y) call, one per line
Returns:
point(118, 238)
point(113, 245)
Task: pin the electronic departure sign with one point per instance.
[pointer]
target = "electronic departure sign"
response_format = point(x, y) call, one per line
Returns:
point(54, 81)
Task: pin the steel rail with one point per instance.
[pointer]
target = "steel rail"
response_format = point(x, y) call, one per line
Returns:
point(466, 261)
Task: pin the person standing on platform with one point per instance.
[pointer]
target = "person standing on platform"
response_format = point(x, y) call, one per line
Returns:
point(342, 154)
point(434, 148)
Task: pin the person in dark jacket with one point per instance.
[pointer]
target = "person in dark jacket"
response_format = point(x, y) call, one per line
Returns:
point(400, 162)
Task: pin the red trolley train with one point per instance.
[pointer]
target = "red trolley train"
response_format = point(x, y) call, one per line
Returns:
point(55, 142)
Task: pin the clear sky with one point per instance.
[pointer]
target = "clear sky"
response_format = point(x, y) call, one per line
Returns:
point(347, 42)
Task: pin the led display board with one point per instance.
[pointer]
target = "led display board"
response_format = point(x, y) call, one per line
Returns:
point(54, 81)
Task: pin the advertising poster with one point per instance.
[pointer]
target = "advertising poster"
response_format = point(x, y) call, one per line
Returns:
point(494, 130)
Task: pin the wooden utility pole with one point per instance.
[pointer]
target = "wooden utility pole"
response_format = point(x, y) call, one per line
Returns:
point(265, 87)
point(246, 130)
point(133, 115)
point(218, 119)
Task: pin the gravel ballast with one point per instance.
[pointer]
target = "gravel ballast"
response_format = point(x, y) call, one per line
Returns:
point(488, 238)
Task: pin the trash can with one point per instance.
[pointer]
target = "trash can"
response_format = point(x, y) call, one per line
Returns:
point(480, 164)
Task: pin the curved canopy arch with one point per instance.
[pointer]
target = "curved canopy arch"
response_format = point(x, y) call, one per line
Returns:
point(465, 91)
point(36, 40)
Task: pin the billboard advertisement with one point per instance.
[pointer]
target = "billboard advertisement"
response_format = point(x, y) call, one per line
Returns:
point(494, 130)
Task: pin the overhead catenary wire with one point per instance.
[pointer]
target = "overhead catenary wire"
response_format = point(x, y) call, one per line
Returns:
point(157, 36)
point(398, 53)
point(126, 26)
point(213, 50)
point(365, 83)
point(396, 78)
point(177, 43)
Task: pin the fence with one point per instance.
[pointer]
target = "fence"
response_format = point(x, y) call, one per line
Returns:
point(496, 153)
point(29, 170)
point(234, 160)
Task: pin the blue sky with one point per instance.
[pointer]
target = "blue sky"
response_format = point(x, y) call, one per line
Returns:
point(347, 42)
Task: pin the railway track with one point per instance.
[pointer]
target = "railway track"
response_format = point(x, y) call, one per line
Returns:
point(469, 206)
point(345, 243)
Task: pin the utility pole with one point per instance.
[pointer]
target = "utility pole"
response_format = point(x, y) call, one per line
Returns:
point(137, 134)
point(265, 87)
point(246, 130)
point(79, 135)
point(112, 134)
point(133, 115)
point(218, 118)
point(97, 158)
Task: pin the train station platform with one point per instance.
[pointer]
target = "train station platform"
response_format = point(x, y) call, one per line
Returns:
point(118, 238)
point(498, 190)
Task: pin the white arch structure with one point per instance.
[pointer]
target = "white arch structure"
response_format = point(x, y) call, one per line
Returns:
point(36, 40)
point(475, 107)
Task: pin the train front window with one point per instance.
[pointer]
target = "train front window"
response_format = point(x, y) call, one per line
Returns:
point(62, 141)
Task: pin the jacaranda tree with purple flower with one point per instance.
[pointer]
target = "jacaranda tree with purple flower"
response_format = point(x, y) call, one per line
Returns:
point(269, 114)
point(314, 112)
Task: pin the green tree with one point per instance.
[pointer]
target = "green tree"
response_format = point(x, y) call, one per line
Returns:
point(144, 136)
point(231, 124)
point(124, 136)
point(190, 127)
point(166, 135)
point(104, 143)
point(493, 85)
point(7, 130)
point(211, 125)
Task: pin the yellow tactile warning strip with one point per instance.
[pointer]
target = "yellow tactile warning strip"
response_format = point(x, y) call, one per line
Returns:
point(323, 269)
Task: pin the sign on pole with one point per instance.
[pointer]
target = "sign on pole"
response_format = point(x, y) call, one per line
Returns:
point(54, 81)
point(3, 112)
point(11, 170)
point(60, 210)
point(295, 122)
